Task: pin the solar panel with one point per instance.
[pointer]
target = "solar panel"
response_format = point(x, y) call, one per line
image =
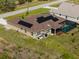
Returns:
point(26, 24)
point(40, 19)
point(43, 19)
point(55, 19)
point(49, 17)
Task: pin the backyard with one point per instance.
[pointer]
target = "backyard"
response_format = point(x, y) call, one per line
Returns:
point(65, 46)
point(55, 5)
point(37, 11)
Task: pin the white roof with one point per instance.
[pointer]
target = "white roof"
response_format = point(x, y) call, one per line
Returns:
point(68, 9)
point(3, 21)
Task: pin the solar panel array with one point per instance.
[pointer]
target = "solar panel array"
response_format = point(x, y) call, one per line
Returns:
point(49, 17)
point(40, 19)
point(55, 19)
point(43, 19)
point(26, 24)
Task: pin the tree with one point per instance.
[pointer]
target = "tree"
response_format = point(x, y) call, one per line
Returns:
point(6, 5)
point(42, 0)
point(22, 1)
point(29, 0)
point(27, 12)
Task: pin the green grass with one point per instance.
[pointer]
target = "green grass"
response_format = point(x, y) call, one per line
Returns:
point(60, 43)
point(18, 7)
point(53, 43)
point(14, 37)
point(38, 11)
point(4, 56)
point(55, 5)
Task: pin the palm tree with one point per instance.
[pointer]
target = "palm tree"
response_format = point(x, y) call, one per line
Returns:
point(27, 7)
point(6, 5)
point(28, 1)
point(21, 1)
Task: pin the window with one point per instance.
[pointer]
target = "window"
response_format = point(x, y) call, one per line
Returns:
point(48, 30)
point(38, 33)
point(78, 18)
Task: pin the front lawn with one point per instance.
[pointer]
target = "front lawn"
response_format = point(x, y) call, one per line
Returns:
point(38, 11)
point(55, 5)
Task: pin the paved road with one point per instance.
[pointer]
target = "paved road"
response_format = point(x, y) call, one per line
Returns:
point(30, 8)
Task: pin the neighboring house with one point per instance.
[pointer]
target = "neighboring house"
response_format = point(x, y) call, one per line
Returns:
point(68, 11)
point(41, 25)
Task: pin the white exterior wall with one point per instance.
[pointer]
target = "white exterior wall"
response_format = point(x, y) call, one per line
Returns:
point(41, 34)
point(34, 34)
point(60, 16)
point(69, 18)
point(73, 19)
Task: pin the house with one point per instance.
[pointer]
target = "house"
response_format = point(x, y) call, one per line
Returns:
point(40, 25)
point(68, 11)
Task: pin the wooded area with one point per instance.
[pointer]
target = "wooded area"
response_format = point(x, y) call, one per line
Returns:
point(10, 5)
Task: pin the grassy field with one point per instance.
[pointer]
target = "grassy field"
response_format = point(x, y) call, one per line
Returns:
point(63, 46)
point(38, 11)
point(55, 5)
